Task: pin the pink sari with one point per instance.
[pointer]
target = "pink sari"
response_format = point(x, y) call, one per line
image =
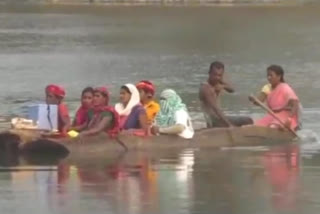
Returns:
point(276, 100)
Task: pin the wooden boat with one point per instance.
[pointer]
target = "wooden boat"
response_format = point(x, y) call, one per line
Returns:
point(31, 142)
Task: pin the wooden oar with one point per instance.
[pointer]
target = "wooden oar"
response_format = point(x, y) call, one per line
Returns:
point(257, 101)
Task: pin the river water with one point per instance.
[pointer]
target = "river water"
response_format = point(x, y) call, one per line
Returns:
point(77, 47)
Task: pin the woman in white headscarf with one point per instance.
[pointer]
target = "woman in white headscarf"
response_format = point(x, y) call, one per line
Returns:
point(132, 114)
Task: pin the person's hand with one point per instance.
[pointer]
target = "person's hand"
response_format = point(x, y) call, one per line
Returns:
point(154, 130)
point(219, 87)
point(251, 99)
point(224, 84)
point(288, 123)
point(221, 81)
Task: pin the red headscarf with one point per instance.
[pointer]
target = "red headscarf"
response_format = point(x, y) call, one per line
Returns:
point(114, 131)
point(103, 90)
point(147, 86)
point(56, 90)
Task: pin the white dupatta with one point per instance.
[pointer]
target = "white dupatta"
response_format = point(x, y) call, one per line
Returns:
point(134, 100)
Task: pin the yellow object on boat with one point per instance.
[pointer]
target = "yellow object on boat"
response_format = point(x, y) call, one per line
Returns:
point(73, 133)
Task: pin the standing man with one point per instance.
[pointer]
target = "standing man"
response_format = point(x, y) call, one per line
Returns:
point(209, 97)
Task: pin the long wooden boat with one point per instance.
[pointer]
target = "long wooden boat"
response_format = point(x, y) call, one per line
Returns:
point(31, 142)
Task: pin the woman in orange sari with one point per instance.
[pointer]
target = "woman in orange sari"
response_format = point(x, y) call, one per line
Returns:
point(282, 100)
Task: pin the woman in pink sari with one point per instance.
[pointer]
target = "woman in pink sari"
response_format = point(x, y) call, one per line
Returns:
point(282, 100)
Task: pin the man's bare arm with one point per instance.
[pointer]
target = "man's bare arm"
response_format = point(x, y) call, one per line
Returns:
point(227, 87)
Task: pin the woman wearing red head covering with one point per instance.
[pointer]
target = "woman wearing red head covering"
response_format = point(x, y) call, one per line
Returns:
point(101, 117)
point(54, 96)
point(147, 91)
point(81, 116)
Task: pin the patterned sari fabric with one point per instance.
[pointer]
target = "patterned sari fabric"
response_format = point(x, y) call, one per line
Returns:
point(170, 103)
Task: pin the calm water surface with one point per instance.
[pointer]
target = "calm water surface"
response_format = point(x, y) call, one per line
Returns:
point(255, 180)
point(173, 47)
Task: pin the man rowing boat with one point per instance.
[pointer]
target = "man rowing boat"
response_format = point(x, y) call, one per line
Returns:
point(209, 95)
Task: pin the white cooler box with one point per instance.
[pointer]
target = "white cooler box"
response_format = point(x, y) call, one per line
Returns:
point(40, 117)
point(44, 116)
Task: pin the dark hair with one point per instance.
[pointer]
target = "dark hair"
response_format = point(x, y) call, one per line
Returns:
point(87, 90)
point(278, 70)
point(126, 89)
point(216, 65)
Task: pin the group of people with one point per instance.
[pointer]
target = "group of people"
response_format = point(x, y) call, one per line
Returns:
point(277, 94)
point(138, 112)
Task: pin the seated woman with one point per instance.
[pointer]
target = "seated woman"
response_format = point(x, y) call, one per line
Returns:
point(86, 103)
point(173, 117)
point(133, 117)
point(147, 91)
point(266, 90)
point(54, 96)
point(282, 100)
point(101, 117)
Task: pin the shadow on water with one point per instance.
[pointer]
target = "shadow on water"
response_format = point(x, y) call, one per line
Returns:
point(40, 152)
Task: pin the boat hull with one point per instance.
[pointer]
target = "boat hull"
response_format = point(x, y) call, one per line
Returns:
point(31, 142)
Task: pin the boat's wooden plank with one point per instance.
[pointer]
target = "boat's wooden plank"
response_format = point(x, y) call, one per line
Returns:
point(102, 145)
